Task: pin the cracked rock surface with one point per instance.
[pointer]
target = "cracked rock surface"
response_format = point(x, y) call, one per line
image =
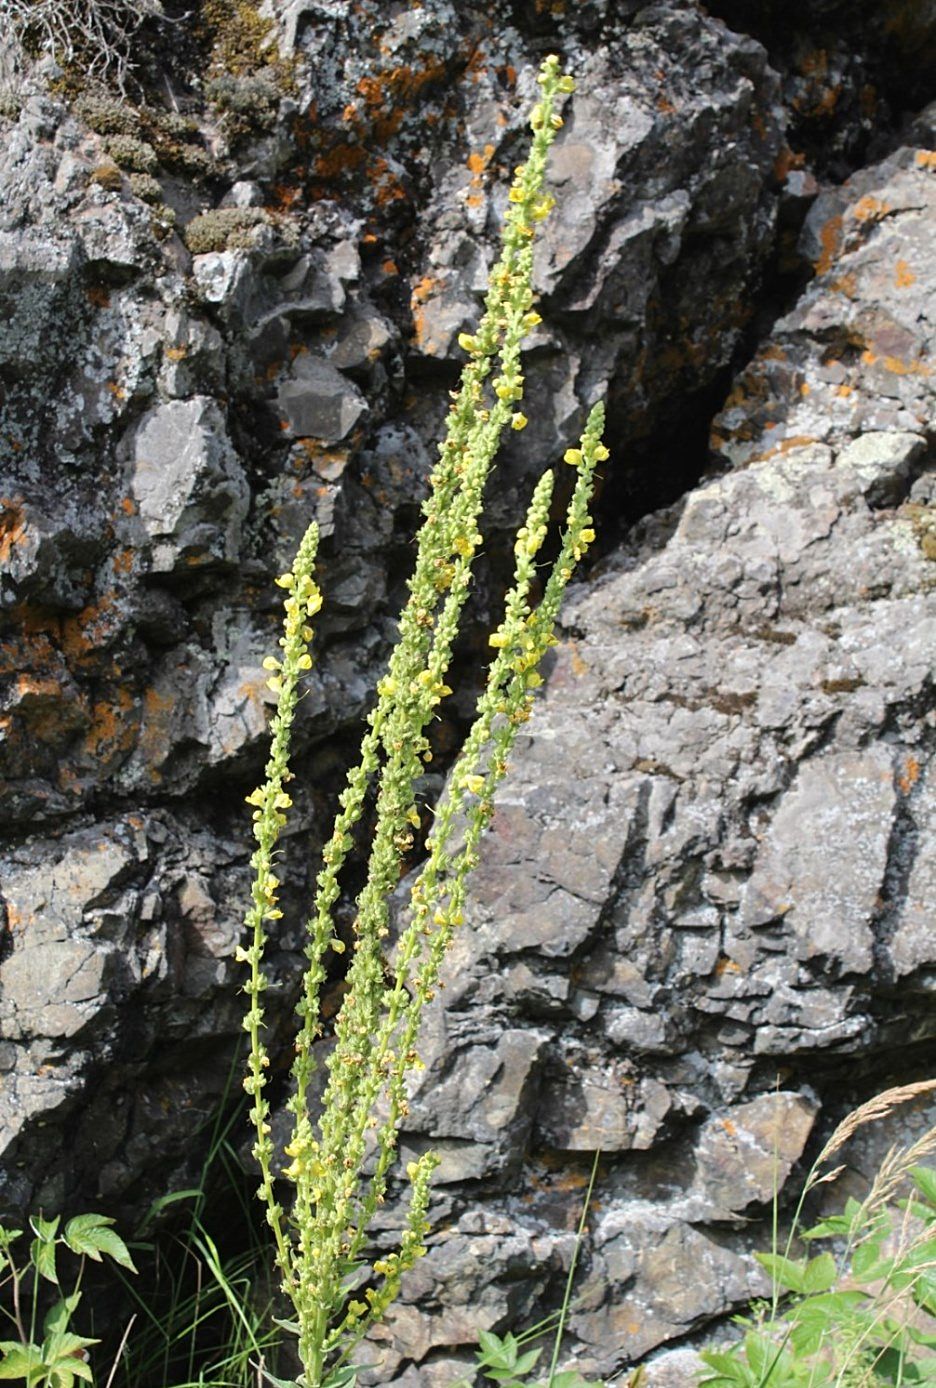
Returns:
point(704, 915)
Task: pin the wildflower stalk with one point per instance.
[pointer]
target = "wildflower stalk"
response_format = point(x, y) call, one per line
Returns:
point(319, 1252)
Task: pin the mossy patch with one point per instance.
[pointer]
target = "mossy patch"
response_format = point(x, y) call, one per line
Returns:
point(245, 103)
point(107, 116)
point(224, 229)
point(247, 76)
point(136, 156)
point(145, 187)
point(107, 175)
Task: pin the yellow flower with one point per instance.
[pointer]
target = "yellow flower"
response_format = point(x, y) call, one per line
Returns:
point(518, 421)
point(474, 784)
point(573, 456)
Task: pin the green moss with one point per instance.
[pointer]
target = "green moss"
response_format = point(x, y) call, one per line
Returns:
point(247, 76)
point(137, 156)
point(225, 228)
point(145, 187)
point(246, 103)
point(107, 116)
point(241, 38)
point(107, 176)
point(186, 160)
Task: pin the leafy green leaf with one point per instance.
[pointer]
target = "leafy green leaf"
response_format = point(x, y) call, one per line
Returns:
point(867, 1264)
point(729, 1368)
point(58, 1316)
point(343, 1377)
point(784, 1271)
point(924, 1178)
point(91, 1236)
point(820, 1273)
point(44, 1229)
point(496, 1352)
point(43, 1259)
point(20, 1361)
point(277, 1382)
point(524, 1364)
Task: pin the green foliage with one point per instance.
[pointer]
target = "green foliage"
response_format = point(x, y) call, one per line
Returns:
point(339, 1166)
point(53, 1356)
point(860, 1314)
point(503, 1362)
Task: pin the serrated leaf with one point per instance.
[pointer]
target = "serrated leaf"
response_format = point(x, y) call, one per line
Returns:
point(758, 1352)
point(784, 1271)
point(524, 1364)
point(867, 1265)
point(728, 1368)
point(91, 1236)
point(43, 1259)
point(495, 1351)
point(20, 1361)
point(58, 1316)
point(45, 1230)
point(820, 1273)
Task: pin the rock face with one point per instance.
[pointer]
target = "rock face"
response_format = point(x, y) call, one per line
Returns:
point(706, 895)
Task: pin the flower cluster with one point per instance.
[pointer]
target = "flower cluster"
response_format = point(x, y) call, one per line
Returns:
point(338, 1166)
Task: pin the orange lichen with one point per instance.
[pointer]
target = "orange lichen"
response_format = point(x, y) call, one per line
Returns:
point(111, 730)
point(903, 275)
point(786, 446)
point(909, 775)
point(339, 160)
point(122, 561)
point(87, 632)
point(926, 158)
point(421, 291)
point(870, 209)
point(845, 284)
point(830, 239)
point(176, 353)
point(13, 526)
point(896, 365)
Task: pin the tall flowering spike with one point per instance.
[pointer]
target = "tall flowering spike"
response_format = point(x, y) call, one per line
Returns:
point(336, 1163)
point(270, 802)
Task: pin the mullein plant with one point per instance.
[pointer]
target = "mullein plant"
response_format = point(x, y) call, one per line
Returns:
point(338, 1161)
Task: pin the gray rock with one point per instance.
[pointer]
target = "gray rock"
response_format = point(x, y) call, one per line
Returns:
point(190, 491)
point(317, 401)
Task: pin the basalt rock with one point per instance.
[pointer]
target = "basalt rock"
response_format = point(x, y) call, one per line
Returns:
point(710, 866)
